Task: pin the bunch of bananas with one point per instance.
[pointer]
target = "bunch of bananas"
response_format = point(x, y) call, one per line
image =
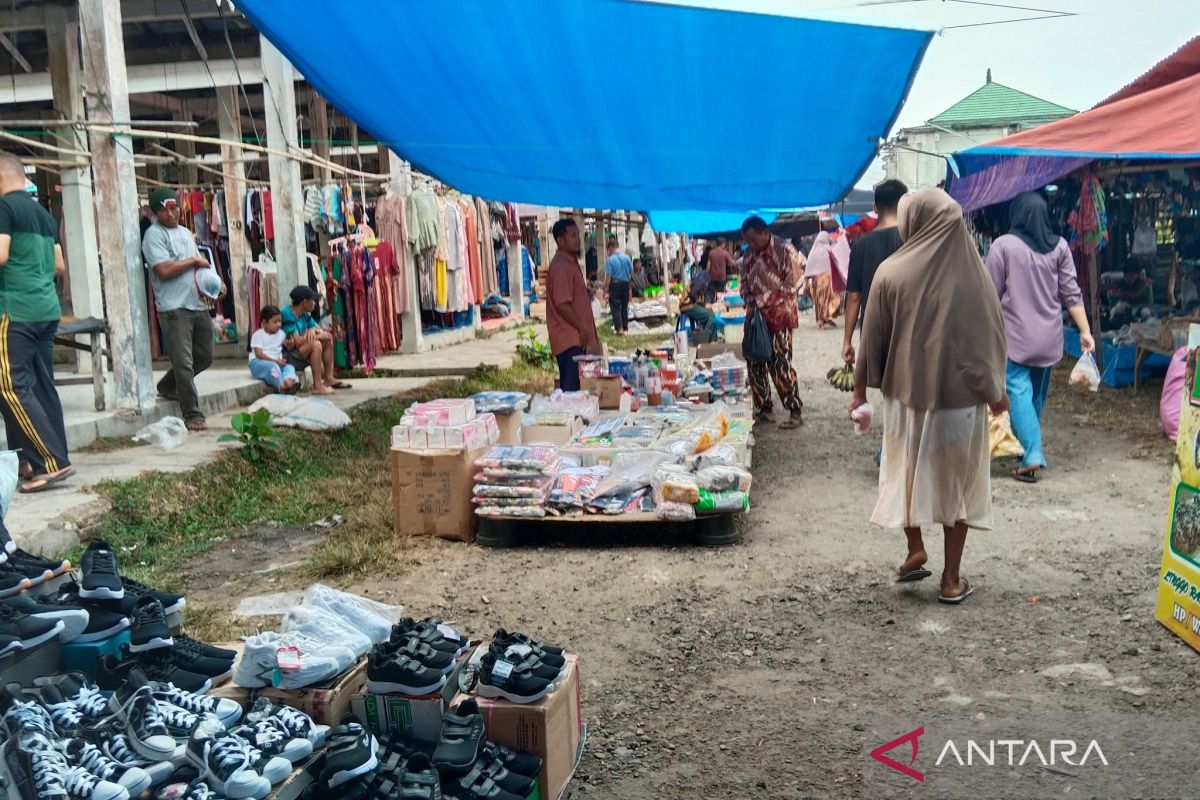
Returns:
point(841, 377)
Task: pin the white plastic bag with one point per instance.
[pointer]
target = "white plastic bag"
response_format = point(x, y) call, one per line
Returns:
point(320, 625)
point(307, 413)
point(372, 618)
point(168, 433)
point(1085, 374)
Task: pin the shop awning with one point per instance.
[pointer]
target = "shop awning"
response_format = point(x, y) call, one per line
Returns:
point(1161, 124)
point(609, 104)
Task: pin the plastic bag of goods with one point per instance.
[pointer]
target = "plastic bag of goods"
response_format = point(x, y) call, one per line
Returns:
point(543, 458)
point(1085, 374)
point(723, 479)
point(673, 483)
point(373, 618)
point(168, 433)
point(632, 470)
point(575, 486)
point(721, 455)
point(675, 512)
point(723, 501)
point(500, 401)
point(1004, 442)
point(861, 417)
point(341, 639)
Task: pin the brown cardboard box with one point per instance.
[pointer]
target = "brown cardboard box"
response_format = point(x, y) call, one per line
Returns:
point(607, 389)
point(325, 704)
point(510, 427)
point(431, 492)
point(418, 717)
point(551, 434)
point(551, 729)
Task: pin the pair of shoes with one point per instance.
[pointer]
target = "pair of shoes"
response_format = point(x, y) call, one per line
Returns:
point(473, 769)
point(351, 752)
point(416, 658)
point(101, 579)
point(314, 661)
point(189, 665)
point(519, 668)
point(229, 764)
point(26, 624)
point(292, 721)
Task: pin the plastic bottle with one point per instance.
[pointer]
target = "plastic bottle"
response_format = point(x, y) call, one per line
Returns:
point(626, 404)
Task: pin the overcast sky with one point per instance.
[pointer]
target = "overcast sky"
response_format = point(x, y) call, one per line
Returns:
point(1073, 61)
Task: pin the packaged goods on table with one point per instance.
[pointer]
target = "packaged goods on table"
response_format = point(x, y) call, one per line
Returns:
point(554, 417)
point(627, 486)
point(675, 483)
point(521, 458)
point(453, 411)
point(500, 402)
point(575, 487)
point(723, 479)
point(723, 501)
point(581, 404)
point(413, 434)
point(515, 480)
point(700, 434)
point(601, 432)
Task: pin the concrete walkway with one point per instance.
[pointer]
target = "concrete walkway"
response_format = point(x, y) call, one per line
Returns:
point(52, 521)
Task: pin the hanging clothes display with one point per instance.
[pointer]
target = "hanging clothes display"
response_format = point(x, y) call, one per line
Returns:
point(392, 229)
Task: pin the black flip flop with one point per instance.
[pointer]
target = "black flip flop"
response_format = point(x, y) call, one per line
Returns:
point(912, 576)
point(958, 599)
point(1025, 477)
point(340, 385)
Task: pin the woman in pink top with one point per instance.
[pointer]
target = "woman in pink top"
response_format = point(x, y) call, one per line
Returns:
point(1035, 277)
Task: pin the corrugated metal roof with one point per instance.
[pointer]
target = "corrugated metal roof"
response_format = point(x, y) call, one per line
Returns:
point(995, 102)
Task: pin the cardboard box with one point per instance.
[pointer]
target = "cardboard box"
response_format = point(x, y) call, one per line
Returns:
point(510, 427)
point(325, 704)
point(606, 389)
point(552, 434)
point(431, 493)
point(418, 717)
point(551, 729)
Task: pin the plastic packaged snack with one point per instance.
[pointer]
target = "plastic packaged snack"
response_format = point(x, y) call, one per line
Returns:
point(507, 490)
point(721, 455)
point(541, 457)
point(675, 484)
point(632, 470)
point(576, 486)
point(723, 501)
point(724, 479)
point(510, 511)
point(675, 512)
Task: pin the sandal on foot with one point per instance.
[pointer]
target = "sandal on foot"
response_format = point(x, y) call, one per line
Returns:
point(39, 482)
point(914, 575)
point(340, 385)
point(958, 598)
point(196, 425)
point(791, 423)
point(1025, 476)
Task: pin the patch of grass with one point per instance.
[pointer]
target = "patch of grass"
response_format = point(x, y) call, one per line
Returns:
point(160, 521)
point(107, 444)
point(630, 341)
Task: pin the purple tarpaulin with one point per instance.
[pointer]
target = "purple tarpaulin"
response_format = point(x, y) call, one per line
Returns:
point(1008, 177)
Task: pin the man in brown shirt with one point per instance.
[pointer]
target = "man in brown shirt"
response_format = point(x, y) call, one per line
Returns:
point(569, 317)
point(719, 264)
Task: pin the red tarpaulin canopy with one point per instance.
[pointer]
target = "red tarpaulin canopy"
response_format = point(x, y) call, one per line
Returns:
point(1161, 123)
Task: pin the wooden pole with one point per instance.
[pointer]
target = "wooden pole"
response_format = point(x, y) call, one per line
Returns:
point(287, 200)
point(106, 88)
point(79, 216)
point(1094, 291)
point(233, 175)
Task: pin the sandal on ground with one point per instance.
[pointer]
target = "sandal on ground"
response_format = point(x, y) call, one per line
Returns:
point(958, 599)
point(39, 482)
point(792, 422)
point(340, 385)
point(1026, 476)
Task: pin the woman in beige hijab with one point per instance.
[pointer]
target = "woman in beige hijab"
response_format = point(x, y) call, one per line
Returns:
point(933, 344)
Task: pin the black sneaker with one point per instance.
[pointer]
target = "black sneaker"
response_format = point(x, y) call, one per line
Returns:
point(225, 762)
point(187, 643)
point(399, 674)
point(29, 563)
point(101, 574)
point(135, 708)
point(13, 581)
point(476, 785)
point(523, 659)
point(74, 691)
point(500, 678)
point(554, 656)
point(55, 608)
point(28, 631)
point(419, 780)
point(520, 763)
point(431, 632)
point(171, 603)
point(34, 769)
point(215, 669)
point(82, 753)
point(103, 621)
point(418, 651)
point(350, 751)
point(461, 739)
point(111, 672)
point(298, 724)
point(486, 770)
point(150, 630)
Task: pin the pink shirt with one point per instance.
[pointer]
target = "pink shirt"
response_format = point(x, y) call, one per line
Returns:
point(1034, 289)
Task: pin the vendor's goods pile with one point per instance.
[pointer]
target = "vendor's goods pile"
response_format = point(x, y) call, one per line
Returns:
point(578, 404)
point(841, 377)
point(500, 402)
point(728, 372)
point(515, 480)
point(415, 659)
point(450, 424)
point(681, 490)
point(319, 639)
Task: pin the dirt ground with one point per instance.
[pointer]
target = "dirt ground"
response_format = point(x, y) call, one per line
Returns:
point(750, 670)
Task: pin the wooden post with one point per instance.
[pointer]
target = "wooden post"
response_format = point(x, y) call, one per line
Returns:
point(79, 216)
point(319, 131)
point(233, 173)
point(107, 91)
point(287, 198)
point(1094, 291)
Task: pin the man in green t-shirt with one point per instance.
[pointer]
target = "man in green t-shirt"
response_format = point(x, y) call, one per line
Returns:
point(30, 259)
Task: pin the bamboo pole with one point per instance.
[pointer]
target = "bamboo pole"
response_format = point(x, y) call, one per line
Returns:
point(42, 145)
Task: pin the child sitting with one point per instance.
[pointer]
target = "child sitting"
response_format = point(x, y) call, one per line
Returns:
point(266, 354)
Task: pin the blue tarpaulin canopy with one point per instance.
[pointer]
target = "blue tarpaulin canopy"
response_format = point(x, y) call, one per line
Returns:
point(611, 104)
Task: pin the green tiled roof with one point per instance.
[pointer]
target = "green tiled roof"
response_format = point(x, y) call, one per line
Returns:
point(995, 102)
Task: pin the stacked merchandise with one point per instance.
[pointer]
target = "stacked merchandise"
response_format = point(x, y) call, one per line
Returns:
point(445, 425)
point(500, 402)
point(579, 404)
point(515, 480)
point(322, 637)
point(415, 659)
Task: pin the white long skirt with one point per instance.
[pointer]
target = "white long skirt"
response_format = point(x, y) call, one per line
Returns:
point(936, 467)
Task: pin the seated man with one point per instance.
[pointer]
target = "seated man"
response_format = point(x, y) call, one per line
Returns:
point(639, 283)
point(306, 343)
point(694, 306)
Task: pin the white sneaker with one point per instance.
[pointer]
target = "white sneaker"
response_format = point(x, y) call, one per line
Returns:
point(224, 761)
point(259, 662)
point(332, 631)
